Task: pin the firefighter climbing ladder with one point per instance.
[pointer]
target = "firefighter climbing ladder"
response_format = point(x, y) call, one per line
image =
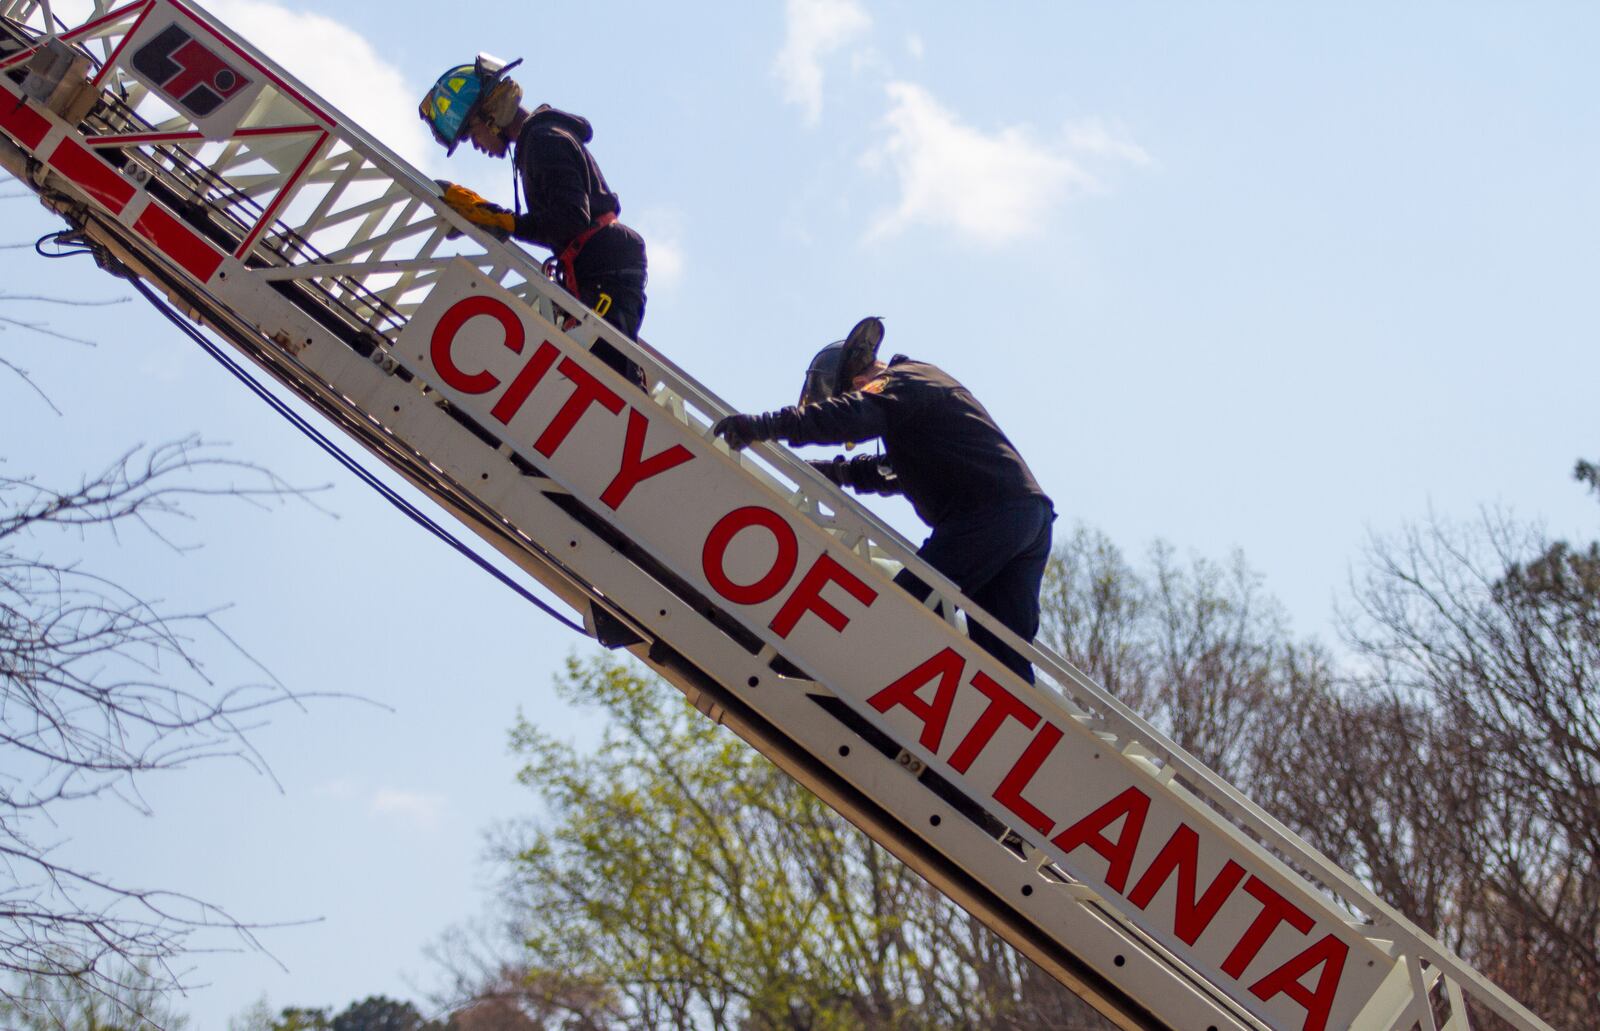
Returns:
point(183, 156)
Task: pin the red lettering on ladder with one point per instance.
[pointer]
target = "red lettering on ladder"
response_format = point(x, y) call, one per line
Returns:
point(1009, 793)
point(444, 336)
point(1003, 705)
point(516, 394)
point(807, 597)
point(716, 548)
point(1131, 807)
point(1275, 909)
point(586, 391)
point(948, 666)
point(1330, 953)
point(1181, 855)
point(635, 467)
point(930, 690)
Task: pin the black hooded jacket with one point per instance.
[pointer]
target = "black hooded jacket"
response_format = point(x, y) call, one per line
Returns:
point(561, 182)
point(947, 455)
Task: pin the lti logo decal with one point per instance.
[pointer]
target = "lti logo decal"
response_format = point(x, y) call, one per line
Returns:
point(189, 73)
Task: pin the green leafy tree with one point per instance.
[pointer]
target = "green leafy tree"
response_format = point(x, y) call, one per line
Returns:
point(296, 1018)
point(374, 1013)
point(380, 1013)
point(1447, 756)
point(1588, 473)
point(683, 881)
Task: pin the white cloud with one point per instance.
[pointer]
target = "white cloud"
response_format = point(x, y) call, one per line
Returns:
point(420, 809)
point(993, 187)
point(666, 262)
point(814, 29)
point(1093, 138)
point(914, 46)
point(663, 237)
point(339, 64)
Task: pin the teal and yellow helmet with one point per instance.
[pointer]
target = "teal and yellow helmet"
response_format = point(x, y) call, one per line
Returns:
point(452, 101)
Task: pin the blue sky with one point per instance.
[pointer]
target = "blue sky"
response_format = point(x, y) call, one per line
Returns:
point(1235, 275)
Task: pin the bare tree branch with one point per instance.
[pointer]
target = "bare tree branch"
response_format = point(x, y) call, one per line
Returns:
point(101, 687)
point(70, 302)
point(27, 380)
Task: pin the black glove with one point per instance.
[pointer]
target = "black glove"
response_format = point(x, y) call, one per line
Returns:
point(832, 468)
point(869, 474)
point(740, 431)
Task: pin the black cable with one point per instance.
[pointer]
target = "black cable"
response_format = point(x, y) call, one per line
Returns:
point(339, 455)
point(61, 238)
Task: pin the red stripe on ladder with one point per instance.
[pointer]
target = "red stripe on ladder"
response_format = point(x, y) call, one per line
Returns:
point(91, 174)
point(178, 242)
point(22, 121)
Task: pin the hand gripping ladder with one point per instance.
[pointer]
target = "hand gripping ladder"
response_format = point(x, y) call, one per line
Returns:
point(1052, 812)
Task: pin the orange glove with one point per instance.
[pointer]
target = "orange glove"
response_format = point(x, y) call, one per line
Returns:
point(478, 211)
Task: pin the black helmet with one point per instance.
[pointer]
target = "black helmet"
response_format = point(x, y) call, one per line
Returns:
point(842, 361)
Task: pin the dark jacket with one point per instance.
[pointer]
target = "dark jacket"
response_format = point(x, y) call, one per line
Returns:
point(561, 182)
point(941, 448)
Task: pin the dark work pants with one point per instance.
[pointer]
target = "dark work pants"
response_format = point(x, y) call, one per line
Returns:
point(997, 557)
point(611, 280)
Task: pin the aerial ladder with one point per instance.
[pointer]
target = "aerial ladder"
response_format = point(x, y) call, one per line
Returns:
point(188, 161)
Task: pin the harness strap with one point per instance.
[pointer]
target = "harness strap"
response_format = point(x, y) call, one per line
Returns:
point(568, 257)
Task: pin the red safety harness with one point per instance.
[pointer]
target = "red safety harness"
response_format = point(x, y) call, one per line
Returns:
point(566, 261)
